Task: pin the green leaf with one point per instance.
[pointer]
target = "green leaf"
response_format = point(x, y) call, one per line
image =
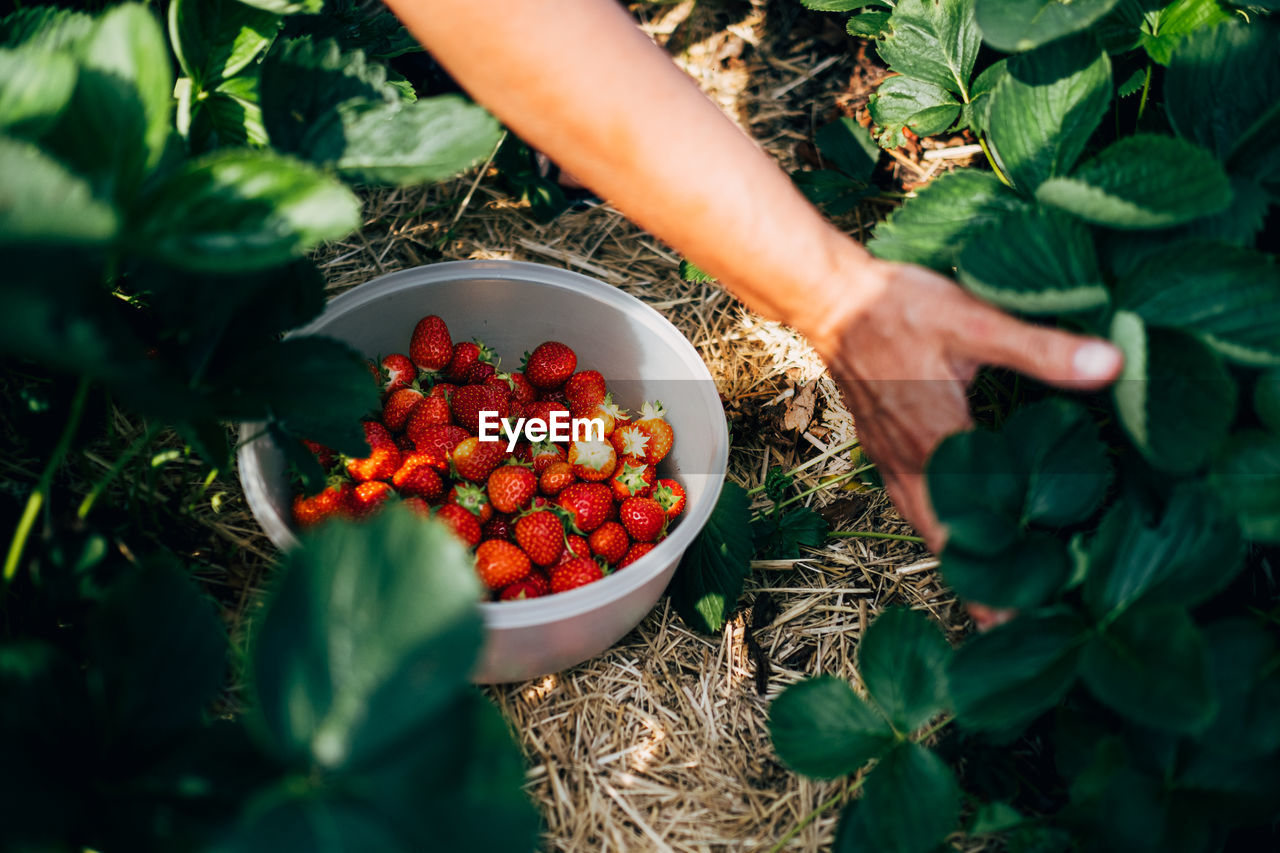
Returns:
point(1036, 261)
point(1184, 557)
point(315, 387)
point(833, 5)
point(371, 629)
point(216, 39)
point(1132, 84)
point(34, 89)
point(1043, 111)
point(243, 210)
point(43, 202)
point(305, 81)
point(228, 117)
point(47, 28)
point(1007, 677)
point(1246, 477)
point(1025, 574)
point(1152, 666)
point(1220, 82)
point(357, 25)
point(1242, 656)
point(1174, 396)
point(1176, 21)
point(1266, 399)
point(995, 818)
point(1142, 181)
point(978, 489)
point(1227, 296)
point(288, 7)
point(902, 660)
point(904, 102)
point(784, 536)
point(975, 113)
point(708, 581)
point(1014, 25)
point(911, 801)
point(821, 728)
point(158, 654)
point(332, 821)
point(835, 192)
point(404, 144)
point(690, 272)
point(936, 41)
point(931, 228)
point(1069, 472)
point(870, 25)
point(849, 147)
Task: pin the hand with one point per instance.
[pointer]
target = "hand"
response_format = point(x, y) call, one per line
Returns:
point(904, 350)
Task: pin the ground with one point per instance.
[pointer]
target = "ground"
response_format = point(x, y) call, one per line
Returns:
point(661, 743)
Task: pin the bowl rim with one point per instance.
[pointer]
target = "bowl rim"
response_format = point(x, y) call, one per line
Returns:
point(563, 605)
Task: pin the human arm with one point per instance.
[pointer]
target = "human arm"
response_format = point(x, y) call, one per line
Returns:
point(579, 81)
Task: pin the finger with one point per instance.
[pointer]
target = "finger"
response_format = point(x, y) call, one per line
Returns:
point(1053, 356)
point(985, 618)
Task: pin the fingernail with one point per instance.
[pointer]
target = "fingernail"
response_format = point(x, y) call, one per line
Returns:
point(1095, 360)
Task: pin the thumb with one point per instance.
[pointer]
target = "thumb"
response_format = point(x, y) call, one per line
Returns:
point(1050, 355)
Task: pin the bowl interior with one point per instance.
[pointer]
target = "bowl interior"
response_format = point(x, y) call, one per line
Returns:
point(513, 307)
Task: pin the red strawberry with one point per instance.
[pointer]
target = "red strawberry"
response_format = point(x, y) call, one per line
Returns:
point(438, 440)
point(383, 459)
point(644, 519)
point(511, 487)
point(469, 401)
point(610, 542)
point(592, 460)
point(325, 456)
point(473, 499)
point(429, 411)
point(653, 423)
point(579, 571)
point(521, 389)
point(419, 506)
point(368, 498)
point(481, 372)
point(549, 365)
point(461, 522)
point(590, 503)
point(397, 371)
point(430, 347)
point(556, 478)
point(396, 409)
point(584, 391)
point(465, 354)
point(498, 527)
point(670, 496)
point(417, 477)
point(475, 460)
point(541, 535)
point(443, 390)
point(534, 586)
point(574, 546)
point(545, 411)
point(630, 440)
point(405, 444)
point(330, 503)
point(499, 563)
point(554, 395)
point(543, 453)
point(603, 414)
point(632, 479)
point(635, 552)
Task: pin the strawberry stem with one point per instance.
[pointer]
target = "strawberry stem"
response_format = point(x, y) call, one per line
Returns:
point(117, 466)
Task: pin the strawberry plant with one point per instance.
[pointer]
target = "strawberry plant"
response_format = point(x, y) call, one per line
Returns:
point(1134, 161)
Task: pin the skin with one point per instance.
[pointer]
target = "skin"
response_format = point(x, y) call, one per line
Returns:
point(579, 81)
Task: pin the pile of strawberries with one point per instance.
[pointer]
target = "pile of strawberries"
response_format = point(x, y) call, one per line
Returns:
point(546, 517)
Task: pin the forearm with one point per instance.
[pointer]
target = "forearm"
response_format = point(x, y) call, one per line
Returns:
point(579, 81)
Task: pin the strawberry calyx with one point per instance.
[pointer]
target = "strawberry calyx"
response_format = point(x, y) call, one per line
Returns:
point(653, 410)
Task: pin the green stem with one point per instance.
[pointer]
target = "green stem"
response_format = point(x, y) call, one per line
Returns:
point(933, 730)
point(992, 161)
point(1146, 89)
point(851, 788)
point(825, 455)
point(122, 460)
point(845, 476)
point(871, 534)
point(36, 499)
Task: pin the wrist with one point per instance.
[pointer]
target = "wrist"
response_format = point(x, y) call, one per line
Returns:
point(842, 291)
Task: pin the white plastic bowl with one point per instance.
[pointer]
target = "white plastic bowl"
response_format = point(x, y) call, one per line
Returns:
point(514, 306)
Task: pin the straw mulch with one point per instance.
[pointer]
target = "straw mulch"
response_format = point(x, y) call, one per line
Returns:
point(662, 743)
